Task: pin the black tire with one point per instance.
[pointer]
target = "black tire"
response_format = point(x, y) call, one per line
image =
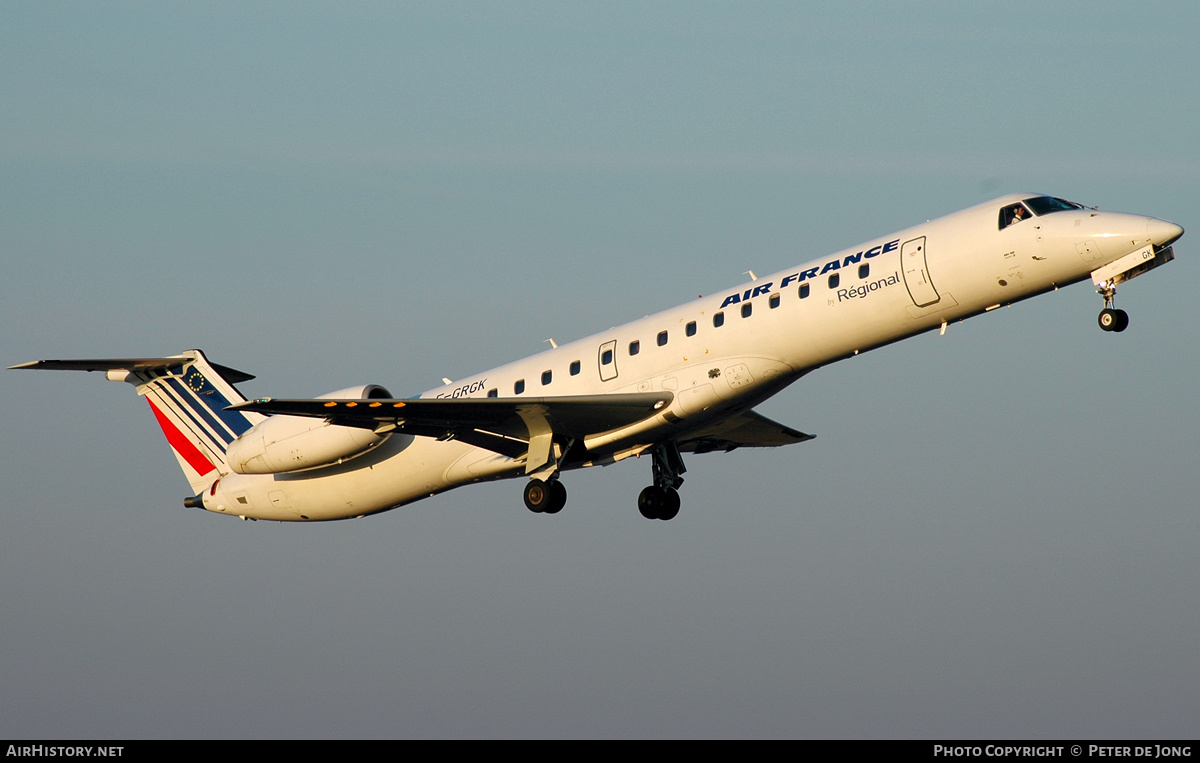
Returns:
point(1107, 319)
point(537, 496)
point(650, 502)
point(670, 508)
point(558, 497)
point(1122, 321)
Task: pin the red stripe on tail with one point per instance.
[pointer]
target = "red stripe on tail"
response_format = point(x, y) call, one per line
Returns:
point(182, 445)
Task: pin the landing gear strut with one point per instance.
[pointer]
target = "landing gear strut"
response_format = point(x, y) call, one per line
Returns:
point(1111, 319)
point(545, 497)
point(661, 500)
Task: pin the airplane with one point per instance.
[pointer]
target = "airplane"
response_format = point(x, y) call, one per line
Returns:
point(684, 380)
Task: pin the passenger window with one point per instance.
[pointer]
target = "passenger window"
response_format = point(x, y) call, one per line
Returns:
point(690, 330)
point(546, 377)
point(803, 290)
point(662, 338)
point(834, 279)
point(519, 387)
point(746, 309)
point(575, 368)
point(606, 358)
point(773, 301)
point(864, 270)
point(718, 320)
point(635, 347)
point(493, 392)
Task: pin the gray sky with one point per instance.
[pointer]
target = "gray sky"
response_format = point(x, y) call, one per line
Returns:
point(994, 533)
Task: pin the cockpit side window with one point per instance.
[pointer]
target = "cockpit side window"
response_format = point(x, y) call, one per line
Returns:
point(1013, 214)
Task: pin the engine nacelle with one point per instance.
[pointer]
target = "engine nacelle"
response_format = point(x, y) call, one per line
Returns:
point(294, 443)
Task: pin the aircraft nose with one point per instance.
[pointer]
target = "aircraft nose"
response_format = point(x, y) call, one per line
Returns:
point(1162, 232)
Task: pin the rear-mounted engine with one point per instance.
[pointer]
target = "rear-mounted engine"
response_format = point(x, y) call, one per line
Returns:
point(283, 444)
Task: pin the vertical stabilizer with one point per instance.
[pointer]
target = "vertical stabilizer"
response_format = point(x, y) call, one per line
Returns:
point(188, 396)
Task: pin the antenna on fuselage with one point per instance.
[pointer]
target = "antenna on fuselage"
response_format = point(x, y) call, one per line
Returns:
point(751, 274)
point(553, 343)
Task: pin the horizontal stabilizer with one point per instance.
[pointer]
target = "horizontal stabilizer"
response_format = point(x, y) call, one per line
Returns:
point(747, 430)
point(189, 396)
point(231, 375)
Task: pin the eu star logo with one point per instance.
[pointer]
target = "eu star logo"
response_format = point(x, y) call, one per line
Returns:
point(196, 381)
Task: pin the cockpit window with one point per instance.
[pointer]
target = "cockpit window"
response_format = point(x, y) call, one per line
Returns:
point(1044, 205)
point(1013, 214)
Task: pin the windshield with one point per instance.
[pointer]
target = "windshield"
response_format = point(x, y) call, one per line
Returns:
point(1044, 205)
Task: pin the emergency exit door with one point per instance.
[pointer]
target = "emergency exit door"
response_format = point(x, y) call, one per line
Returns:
point(916, 273)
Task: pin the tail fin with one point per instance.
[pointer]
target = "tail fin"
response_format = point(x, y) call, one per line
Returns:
point(188, 395)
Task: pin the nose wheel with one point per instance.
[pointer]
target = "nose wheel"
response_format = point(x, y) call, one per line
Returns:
point(1111, 319)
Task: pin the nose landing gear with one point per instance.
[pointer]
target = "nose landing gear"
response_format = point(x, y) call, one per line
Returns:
point(1111, 319)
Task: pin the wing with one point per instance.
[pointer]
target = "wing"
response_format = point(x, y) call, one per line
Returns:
point(503, 425)
point(746, 430)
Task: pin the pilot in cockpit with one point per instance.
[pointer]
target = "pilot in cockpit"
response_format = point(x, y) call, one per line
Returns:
point(1012, 215)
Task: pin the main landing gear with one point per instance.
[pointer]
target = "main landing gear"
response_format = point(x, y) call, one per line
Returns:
point(1111, 319)
point(661, 500)
point(545, 497)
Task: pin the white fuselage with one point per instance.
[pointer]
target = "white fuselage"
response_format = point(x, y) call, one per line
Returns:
point(886, 289)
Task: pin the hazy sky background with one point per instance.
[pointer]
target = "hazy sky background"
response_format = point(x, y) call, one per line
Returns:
point(994, 534)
